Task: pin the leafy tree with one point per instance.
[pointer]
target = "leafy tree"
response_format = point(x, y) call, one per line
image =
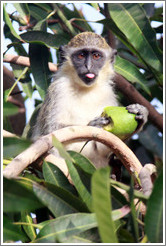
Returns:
point(90, 207)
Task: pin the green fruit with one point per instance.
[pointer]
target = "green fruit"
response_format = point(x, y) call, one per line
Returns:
point(122, 123)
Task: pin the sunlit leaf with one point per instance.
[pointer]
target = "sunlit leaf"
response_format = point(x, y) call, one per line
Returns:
point(29, 229)
point(23, 10)
point(130, 72)
point(63, 227)
point(80, 187)
point(102, 205)
point(9, 23)
point(139, 31)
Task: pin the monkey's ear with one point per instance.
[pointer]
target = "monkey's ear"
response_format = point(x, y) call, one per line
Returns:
point(62, 54)
point(113, 54)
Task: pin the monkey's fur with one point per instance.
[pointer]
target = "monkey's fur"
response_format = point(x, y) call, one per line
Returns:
point(71, 100)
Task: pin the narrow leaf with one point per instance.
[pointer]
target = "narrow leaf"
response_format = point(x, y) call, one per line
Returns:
point(134, 222)
point(9, 109)
point(23, 10)
point(139, 31)
point(59, 146)
point(9, 23)
point(53, 175)
point(102, 205)
point(13, 146)
point(12, 232)
point(40, 37)
point(18, 197)
point(130, 72)
point(154, 214)
point(62, 228)
point(56, 205)
point(68, 197)
point(39, 55)
point(29, 229)
point(82, 190)
point(82, 162)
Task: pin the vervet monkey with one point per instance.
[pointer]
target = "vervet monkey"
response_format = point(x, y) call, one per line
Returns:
point(82, 87)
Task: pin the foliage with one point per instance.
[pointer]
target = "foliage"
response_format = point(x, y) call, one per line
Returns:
point(90, 208)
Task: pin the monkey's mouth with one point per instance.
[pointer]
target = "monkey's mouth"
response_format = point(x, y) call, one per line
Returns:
point(88, 78)
point(90, 75)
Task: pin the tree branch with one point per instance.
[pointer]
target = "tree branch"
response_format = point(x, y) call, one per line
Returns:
point(24, 61)
point(121, 83)
point(43, 144)
point(135, 97)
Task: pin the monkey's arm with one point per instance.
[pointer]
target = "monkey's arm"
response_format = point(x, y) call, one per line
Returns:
point(122, 121)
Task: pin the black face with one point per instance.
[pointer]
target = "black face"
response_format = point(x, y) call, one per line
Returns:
point(88, 63)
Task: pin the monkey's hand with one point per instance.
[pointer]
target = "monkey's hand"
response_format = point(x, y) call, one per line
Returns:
point(121, 121)
point(141, 114)
point(100, 122)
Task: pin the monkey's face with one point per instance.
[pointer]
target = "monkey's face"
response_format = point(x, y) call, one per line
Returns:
point(88, 63)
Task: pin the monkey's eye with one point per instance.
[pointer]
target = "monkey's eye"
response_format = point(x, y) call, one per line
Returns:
point(81, 55)
point(96, 56)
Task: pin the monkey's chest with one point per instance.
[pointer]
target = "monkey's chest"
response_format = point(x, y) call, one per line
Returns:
point(80, 111)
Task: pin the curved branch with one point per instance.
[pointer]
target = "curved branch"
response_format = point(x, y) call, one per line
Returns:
point(43, 144)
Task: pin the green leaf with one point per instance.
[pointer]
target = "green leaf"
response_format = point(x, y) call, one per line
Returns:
point(12, 232)
point(23, 10)
point(54, 203)
point(154, 214)
point(27, 89)
point(109, 23)
point(59, 146)
point(158, 15)
point(9, 24)
point(68, 197)
point(53, 175)
point(134, 222)
point(40, 37)
point(80, 187)
point(9, 109)
point(137, 194)
point(39, 55)
point(95, 5)
point(138, 31)
point(80, 160)
point(37, 12)
point(13, 146)
point(65, 227)
point(82, 190)
point(18, 197)
point(102, 205)
point(62, 228)
point(131, 73)
point(29, 229)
